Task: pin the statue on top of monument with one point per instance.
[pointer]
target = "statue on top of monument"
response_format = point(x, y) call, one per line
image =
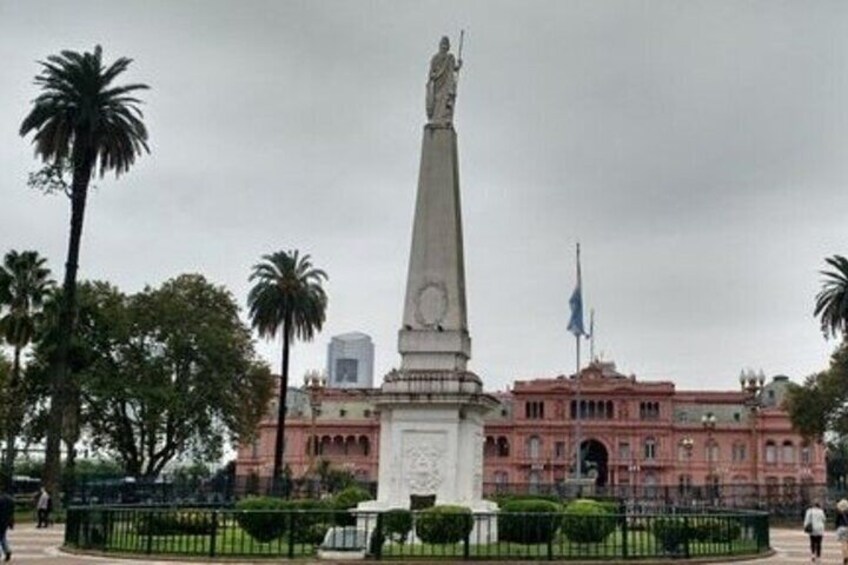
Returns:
point(441, 84)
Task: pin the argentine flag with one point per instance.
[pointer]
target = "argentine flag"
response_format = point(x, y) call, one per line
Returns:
point(575, 324)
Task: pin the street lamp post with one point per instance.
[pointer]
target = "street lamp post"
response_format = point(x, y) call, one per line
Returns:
point(688, 444)
point(633, 468)
point(753, 384)
point(708, 421)
point(314, 383)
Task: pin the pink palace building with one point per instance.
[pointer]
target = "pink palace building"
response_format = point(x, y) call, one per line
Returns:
point(633, 434)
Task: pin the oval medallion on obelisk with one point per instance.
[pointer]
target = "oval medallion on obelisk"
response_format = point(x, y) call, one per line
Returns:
point(431, 304)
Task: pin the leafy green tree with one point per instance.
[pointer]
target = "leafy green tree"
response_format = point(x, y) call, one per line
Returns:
point(287, 296)
point(25, 284)
point(821, 404)
point(82, 117)
point(832, 301)
point(174, 375)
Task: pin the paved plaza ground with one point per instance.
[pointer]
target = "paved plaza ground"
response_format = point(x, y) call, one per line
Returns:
point(42, 547)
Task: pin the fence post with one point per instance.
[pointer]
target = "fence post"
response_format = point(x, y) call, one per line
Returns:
point(623, 533)
point(466, 544)
point(213, 535)
point(686, 536)
point(376, 541)
point(149, 548)
point(290, 527)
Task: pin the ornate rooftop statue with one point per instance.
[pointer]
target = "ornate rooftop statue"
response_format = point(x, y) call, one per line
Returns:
point(441, 84)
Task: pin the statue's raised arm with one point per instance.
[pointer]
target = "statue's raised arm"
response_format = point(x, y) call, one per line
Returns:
point(441, 85)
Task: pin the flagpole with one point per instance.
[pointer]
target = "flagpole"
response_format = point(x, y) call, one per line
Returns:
point(592, 335)
point(578, 431)
point(578, 472)
point(575, 326)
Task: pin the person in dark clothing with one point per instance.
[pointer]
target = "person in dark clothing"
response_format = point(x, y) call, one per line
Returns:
point(7, 522)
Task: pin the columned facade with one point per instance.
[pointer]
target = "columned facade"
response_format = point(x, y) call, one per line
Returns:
point(640, 434)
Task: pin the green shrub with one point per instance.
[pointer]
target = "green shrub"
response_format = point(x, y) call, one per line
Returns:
point(347, 499)
point(671, 533)
point(262, 520)
point(529, 521)
point(173, 523)
point(715, 530)
point(310, 524)
point(256, 517)
point(397, 523)
point(588, 521)
point(444, 524)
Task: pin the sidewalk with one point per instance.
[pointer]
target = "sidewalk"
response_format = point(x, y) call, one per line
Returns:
point(42, 547)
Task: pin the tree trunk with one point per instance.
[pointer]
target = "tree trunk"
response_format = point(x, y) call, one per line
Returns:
point(67, 310)
point(281, 409)
point(71, 433)
point(13, 417)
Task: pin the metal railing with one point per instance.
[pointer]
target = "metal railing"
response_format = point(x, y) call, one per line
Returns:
point(402, 535)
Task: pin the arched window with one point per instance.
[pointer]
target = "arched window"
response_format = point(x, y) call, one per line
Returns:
point(712, 451)
point(501, 477)
point(490, 448)
point(788, 455)
point(503, 447)
point(739, 452)
point(650, 449)
point(771, 452)
point(365, 445)
point(610, 414)
point(534, 447)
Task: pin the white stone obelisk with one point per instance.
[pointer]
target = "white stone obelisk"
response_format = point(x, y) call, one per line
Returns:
point(432, 408)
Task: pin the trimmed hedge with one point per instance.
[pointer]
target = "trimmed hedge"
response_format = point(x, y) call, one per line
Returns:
point(347, 499)
point(261, 526)
point(171, 523)
point(397, 523)
point(671, 533)
point(715, 530)
point(308, 527)
point(588, 521)
point(529, 521)
point(444, 524)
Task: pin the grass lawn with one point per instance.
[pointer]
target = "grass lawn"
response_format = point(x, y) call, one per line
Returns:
point(232, 541)
point(639, 544)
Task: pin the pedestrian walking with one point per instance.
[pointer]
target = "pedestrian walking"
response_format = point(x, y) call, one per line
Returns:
point(43, 508)
point(842, 528)
point(7, 522)
point(814, 520)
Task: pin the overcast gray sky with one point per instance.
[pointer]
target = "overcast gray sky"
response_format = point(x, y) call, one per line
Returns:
point(696, 149)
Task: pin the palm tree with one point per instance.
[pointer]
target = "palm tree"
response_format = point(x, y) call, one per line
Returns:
point(24, 286)
point(832, 301)
point(82, 117)
point(288, 296)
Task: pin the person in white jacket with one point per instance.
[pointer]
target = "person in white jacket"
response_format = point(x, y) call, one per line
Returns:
point(814, 520)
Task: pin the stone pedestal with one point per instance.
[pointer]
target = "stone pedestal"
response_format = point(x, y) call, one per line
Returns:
point(431, 438)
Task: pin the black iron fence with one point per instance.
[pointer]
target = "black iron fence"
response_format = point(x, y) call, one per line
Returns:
point(224, 490)
point(400, 535)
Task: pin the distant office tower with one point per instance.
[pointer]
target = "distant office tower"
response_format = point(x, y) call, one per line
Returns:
point(350, 361)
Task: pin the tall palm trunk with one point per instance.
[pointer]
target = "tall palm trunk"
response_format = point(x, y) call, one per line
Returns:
point(58, 383)
point(13, 417)
point(281, 409)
